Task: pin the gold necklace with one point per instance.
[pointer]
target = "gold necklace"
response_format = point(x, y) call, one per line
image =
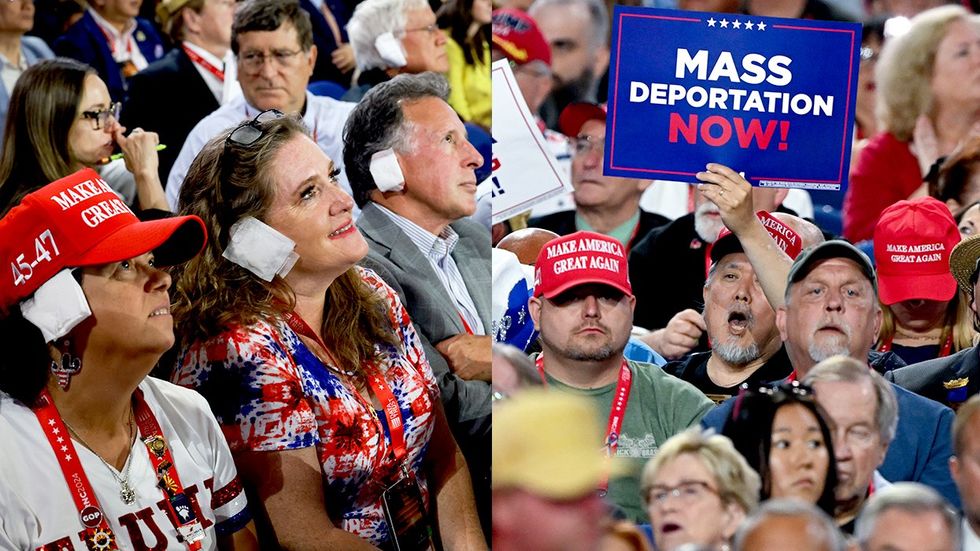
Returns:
point(126, 492)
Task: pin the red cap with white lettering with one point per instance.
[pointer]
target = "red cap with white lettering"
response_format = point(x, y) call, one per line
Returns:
point(784, 236)
point(580, 258)
point(913, 241)
point(79, 221)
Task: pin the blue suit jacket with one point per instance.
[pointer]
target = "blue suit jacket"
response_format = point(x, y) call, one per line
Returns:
point(85, 42)
point(920, 450)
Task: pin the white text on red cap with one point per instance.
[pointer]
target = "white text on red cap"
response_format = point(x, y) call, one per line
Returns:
point(914, 256)
point(80, 192)
point(585, 245)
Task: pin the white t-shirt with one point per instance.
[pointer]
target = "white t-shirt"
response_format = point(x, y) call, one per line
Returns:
point(36, 506)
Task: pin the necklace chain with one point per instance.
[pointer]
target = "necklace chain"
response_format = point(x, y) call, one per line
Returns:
point(126, 492)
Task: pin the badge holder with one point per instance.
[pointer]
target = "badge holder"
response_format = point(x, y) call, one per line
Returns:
point(409, 525)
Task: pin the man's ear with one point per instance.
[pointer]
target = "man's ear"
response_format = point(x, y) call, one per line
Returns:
point(781, 322)
point(534, 308)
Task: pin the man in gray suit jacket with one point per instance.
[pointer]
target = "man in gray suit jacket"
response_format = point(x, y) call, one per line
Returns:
point(412, 173)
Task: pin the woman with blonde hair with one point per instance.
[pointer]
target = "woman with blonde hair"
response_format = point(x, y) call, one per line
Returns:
point(698, 490)
point(928, 83)
point(924, 317)
point(311, 364)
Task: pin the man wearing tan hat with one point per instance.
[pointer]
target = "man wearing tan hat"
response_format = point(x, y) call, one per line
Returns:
point(950, 380)
point(546, 468)
point(202, 68)
point(583, 308)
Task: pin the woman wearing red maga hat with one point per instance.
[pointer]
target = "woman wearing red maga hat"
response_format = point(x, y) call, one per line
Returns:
point(96, 454)
point(924, 316)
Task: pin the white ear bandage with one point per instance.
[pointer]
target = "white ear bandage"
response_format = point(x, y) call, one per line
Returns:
point(390, 49)
point(57, 306)
point(386, 171)
point(260, 249)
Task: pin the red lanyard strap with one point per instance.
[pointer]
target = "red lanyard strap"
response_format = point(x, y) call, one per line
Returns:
point(380, 388)
point(98, 534)
point(617, 411)
point(178, 504)
point(207, 65)
point(944, 350)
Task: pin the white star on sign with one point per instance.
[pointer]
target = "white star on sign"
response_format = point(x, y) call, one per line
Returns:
point(748, 24)
point(711, 22)
point(51, 422)
point(724, 23)
point(55, 431)
point(64, 448)
point(761, 26)
point(60, 439)
point(67, 458)
point(737, 24)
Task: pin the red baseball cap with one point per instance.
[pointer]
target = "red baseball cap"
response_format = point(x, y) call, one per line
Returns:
point(79, 221)
point(913, 241)
point(576, 114)
point(580, 258)
point(784, 236)
point(517, 35)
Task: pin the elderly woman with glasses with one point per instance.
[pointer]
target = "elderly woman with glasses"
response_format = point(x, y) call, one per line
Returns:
point(698, 490)
point(311, 363)
point(61, 120)
point(783, 434)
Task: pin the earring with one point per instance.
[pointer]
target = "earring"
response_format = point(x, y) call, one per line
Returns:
point(68, 367)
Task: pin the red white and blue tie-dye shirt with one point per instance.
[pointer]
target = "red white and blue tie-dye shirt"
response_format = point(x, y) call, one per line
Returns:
point(270, 393)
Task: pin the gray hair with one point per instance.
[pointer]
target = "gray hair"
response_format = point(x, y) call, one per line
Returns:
point(598, 16)
point(849, 370)
point(371, 19)
point(527, 374)
point(378, 123)
point(910, 497)
point(790, 508)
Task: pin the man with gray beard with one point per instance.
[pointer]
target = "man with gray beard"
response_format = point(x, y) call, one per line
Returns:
point(668, 269)
point(741, 324)
point(583, 309)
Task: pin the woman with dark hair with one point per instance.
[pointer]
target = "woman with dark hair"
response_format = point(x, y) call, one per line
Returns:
point(61, 120)
point(310, 362)
point(97, 455)
point(467, 27)
point(783, 433)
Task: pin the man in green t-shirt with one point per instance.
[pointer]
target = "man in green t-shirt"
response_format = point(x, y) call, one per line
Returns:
point(583, 308)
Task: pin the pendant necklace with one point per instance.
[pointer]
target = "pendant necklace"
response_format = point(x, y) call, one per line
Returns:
point(126, 493)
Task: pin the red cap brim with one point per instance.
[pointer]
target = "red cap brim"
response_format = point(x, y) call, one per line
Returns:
point(893, 289)
point(174, 240)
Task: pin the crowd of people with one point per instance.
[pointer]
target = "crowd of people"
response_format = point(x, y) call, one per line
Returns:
point(247, 306)
point(830, 337)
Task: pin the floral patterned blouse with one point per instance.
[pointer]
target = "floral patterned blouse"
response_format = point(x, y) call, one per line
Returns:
point(270, 393)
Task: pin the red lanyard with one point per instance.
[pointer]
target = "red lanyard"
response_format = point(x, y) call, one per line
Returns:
point(380, 388)
point(178, 505)
point(98, 534)
point(466, 326)
point(616, 412)
point(944, 350)
point(207, 65)
point(112, 42)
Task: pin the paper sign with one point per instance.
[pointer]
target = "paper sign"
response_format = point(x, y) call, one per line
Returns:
point(770, 97)
point(525, 172)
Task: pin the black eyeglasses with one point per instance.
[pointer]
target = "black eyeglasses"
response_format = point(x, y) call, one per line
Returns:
point(101, 116)
point(249, 132)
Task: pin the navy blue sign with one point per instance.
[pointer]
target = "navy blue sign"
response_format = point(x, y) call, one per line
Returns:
point(772, 98)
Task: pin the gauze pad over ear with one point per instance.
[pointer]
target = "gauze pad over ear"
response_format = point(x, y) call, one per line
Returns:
point(260, 249)
point(386, 171)
point(57, 306)
point(390, 50)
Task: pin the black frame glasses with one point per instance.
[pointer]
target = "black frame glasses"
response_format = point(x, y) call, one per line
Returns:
point(101, 116)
